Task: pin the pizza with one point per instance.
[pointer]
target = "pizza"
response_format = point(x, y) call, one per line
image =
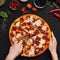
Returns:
point(35, 33)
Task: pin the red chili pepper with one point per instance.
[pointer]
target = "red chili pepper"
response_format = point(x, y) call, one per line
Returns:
point(55, 10)
point(57, 15)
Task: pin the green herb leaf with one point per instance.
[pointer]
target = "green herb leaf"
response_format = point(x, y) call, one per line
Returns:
point(3, 14)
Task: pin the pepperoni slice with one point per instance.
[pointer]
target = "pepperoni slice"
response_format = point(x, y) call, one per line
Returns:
point(34, 19)
point(27, 17)
point(46, 38)
point(45, 35)
point(39, 28)
point(26, 52)
point(14, 28)
point(29, 48)
point(24, 24)
point(41, 49)
point(42, 22)
point(11, 34)
point(37, 51)
point(36, 32)
point(21, 20)
point(17, 32)
point(29, 23)
point(37, 39)
point(19, 28)
point(23, 33)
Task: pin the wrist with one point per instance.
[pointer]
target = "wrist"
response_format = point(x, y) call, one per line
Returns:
point(53, 53)
point(9, 57)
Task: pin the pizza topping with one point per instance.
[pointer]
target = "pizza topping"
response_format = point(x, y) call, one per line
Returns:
point(29, 23)
point(34, 38)
point(21, 20)
point(39, 28)
point(20, 29)
point(14, 32)
point(32, 50)
point(31, 31)
point(40, 45)
point(37, 51)
point(11, 34)
point(29, 19)
point(40, 35)
point(18, 35)
point(37, 23)
point(37, 39)
point(14, 28)
point(34, 45)
point(17, 24)
point(23, 33)
point(36, 32)
point(29, 41)
point(42, 41)
point(14, 40)
point(26, 30)
point(24, 24)
point(45, 35)
point(44, 28)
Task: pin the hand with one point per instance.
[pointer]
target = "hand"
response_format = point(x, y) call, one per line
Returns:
point(14, 51)
point(53, 44)
point(53, 47)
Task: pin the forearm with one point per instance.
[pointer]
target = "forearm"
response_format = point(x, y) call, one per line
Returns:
point(9, 57)
point(54, 56)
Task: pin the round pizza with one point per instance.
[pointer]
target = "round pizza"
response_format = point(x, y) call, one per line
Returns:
point(33, 31)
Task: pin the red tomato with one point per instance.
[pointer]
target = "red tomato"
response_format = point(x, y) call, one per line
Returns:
point(23, 9)
point(34, 9)
point(29, 6)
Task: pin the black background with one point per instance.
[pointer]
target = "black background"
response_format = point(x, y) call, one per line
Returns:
point(4, 33)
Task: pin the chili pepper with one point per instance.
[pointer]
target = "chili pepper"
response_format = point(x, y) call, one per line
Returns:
point(57, 15)
point(54, 10)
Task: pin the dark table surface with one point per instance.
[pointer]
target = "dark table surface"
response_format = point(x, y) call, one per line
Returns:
point(4, 32)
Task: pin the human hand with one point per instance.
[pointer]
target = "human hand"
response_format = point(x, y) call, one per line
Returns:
point(53, 47)
point(14, 51)
point(53, 44)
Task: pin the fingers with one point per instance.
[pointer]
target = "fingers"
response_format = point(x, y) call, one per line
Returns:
point(20, 43)
point(50, 41)
point(53, 38)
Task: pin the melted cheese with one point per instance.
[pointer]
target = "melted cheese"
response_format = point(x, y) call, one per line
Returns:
point(44, 27)
point(37, 23)
point(17, 24)
point(14, 32)
point(40, 45)
point(31, 51)
point(14, 40)
point(29, 41)
point(31, 31)
point(34, 37)
point(29, 19)
point(42, 41)
point(18, 35)
point(40, 35)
